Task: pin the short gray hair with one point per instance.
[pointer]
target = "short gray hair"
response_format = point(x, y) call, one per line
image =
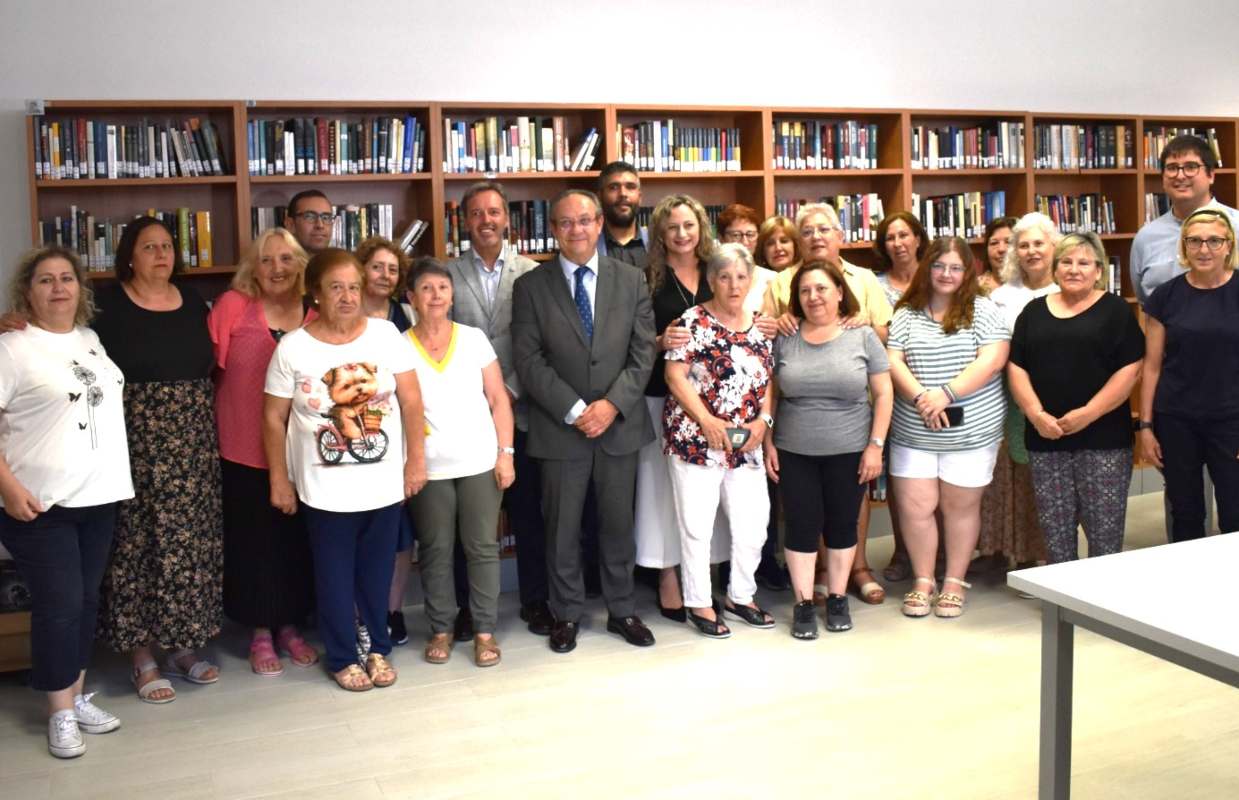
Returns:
point(726, 255)
point(809, 209)
point(1034, 220)
point(1090, 241)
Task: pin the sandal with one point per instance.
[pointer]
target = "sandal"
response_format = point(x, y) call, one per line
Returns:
point(302, 654)
point(710, 628)
point(439, 643)
point(483, 647)
point(353, 679)
point(382, 673)
point(900, 569)
point(869, 591)
point(753, 617)
point(196, 670)
point(145, 690)
point(916, 603)
point(950, 604)
point(262, 652)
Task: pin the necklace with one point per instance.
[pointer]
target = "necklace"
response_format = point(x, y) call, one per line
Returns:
point(679, 287)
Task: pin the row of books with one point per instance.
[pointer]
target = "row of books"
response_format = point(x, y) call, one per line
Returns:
point(815, 144)
point(1155, 205)
point(1114, 276)
point(321, 146)
point(663, 145)
point(964, 214)
point(992, 145)
point(1075, 214)
point(859, 214)
point(525, 144)
point(78, 148)
point(1082, 146)
point(351, 224)
point(1156, 139)
point(95, 239)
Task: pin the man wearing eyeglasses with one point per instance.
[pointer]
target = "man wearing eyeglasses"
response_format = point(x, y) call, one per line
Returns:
point(619, 188)
point(309, 219)
point(1188, 165)
point(583, 343)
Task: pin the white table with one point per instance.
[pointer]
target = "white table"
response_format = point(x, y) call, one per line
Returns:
point(1118, 597)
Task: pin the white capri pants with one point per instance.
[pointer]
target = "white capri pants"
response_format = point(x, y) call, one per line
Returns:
point(698, 492)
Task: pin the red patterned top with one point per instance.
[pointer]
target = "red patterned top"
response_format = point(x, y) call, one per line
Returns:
point(731, 372)
point(243, 349)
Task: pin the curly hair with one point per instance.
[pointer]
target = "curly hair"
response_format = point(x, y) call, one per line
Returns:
point(706, 244)
point(245, 280)
point(23, 280)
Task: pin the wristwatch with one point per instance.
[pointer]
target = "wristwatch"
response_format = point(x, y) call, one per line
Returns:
point(878, 443)
point(508, 450)
point(769, 420)
point(1144, 425)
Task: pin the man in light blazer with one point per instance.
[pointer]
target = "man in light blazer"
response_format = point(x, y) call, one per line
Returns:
point(483, 278)
point(583, 341)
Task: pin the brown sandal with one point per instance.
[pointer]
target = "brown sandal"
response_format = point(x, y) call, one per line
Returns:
point(382, 674)
point(353, 679)
point(869, 591)
point(482, 647)
point(439, 642)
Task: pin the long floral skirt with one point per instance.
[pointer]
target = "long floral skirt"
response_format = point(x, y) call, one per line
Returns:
point(164, 583)
point(1009, 524)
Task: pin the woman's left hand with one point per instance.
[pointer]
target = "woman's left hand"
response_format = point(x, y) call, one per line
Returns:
point(931, 404)
point(505, 471)
point(757, 433)
point(870, 464)
point(414, 478)
point(849, 323)
point(768, 326)
point(1075, 420)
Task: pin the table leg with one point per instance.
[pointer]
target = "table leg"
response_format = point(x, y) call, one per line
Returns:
point(1057, 642)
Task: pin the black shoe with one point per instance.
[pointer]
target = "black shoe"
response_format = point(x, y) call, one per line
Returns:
point(539, 617)
point(395, 627)
point(712, 629)
point(563, 637)
point(673, 614)
point(632, 629)
point(837, 616)
point(773, 577)
point(462, 630)
point(804, 620)
point(753, 617)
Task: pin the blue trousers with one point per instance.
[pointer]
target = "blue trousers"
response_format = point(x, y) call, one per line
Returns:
point(61, 554)
point(354, 553)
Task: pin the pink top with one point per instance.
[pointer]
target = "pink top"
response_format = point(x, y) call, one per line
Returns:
point(243, 348)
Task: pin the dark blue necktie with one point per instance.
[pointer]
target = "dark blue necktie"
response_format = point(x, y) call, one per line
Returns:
point(582, 303)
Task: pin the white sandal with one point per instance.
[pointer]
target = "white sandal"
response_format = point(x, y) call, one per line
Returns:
point(950, 604)
point(917, 603)
point(195, 672)
point(145, 690)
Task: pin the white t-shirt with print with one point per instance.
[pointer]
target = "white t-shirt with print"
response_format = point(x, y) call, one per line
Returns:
point(345, 441)
point(460, 432)
point(62, 424)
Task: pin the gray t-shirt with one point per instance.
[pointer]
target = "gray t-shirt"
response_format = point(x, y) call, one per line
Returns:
point(824, 405)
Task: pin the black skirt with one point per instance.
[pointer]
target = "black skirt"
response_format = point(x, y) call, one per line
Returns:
point(268, 572)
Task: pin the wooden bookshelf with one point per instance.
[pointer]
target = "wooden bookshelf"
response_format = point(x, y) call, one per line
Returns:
point(760, 182)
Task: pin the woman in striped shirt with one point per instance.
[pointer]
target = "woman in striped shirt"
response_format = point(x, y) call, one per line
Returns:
point(947, 348)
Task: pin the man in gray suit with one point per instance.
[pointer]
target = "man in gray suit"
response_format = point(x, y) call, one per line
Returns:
point(583, 341)
point(484, 276)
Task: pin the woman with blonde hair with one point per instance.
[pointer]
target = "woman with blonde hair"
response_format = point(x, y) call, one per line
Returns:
point(268, 573)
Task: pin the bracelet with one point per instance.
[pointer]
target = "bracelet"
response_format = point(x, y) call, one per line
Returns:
point(946, 389)
point(918, 396)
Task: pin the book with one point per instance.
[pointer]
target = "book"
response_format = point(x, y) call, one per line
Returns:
point(666, 146)
point(1076, 146)
point(1075, 214)
point(963, 214)
point(95, 239)
point(1156, 137)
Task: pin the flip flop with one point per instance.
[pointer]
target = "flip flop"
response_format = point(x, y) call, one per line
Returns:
point(145, 690)
point(195, 671)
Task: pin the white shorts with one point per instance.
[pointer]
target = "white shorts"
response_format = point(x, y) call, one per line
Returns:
point(970, 469)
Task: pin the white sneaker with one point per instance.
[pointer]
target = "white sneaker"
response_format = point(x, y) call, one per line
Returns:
point(91, 718)
point(64, 740)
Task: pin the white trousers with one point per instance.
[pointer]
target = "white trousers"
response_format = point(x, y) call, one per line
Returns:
point(698, 492)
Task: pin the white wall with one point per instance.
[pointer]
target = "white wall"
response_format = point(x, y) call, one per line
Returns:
point(1053, 55)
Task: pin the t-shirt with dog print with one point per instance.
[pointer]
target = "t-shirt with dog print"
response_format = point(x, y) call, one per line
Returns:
point(345, 441)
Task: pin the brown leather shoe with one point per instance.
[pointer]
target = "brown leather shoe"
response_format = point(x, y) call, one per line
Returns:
point(563, 637)
point(632, 629)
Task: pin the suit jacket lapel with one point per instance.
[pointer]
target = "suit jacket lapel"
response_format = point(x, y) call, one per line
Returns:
point(558, 287)
point(605, 288)
point(469, 271)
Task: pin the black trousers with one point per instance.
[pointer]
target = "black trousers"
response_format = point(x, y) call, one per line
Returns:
point(61, 554)
point(1189, 445)
point(821, 498)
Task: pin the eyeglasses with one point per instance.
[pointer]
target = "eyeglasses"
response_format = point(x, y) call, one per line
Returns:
point(567, 224)
point(311, 217)
point(821, 230)
point(1189, 170)
point(740, 236)
point(1214, 243)
point(949, 269)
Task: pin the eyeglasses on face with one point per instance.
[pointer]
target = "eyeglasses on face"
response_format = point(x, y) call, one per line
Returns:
point(1214, 243)
point(949, 269)
point(311, 217)
point(1189, 169)
point(567, 223)
point(740, 236)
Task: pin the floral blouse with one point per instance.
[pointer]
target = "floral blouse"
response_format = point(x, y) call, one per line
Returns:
point(731, 372)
